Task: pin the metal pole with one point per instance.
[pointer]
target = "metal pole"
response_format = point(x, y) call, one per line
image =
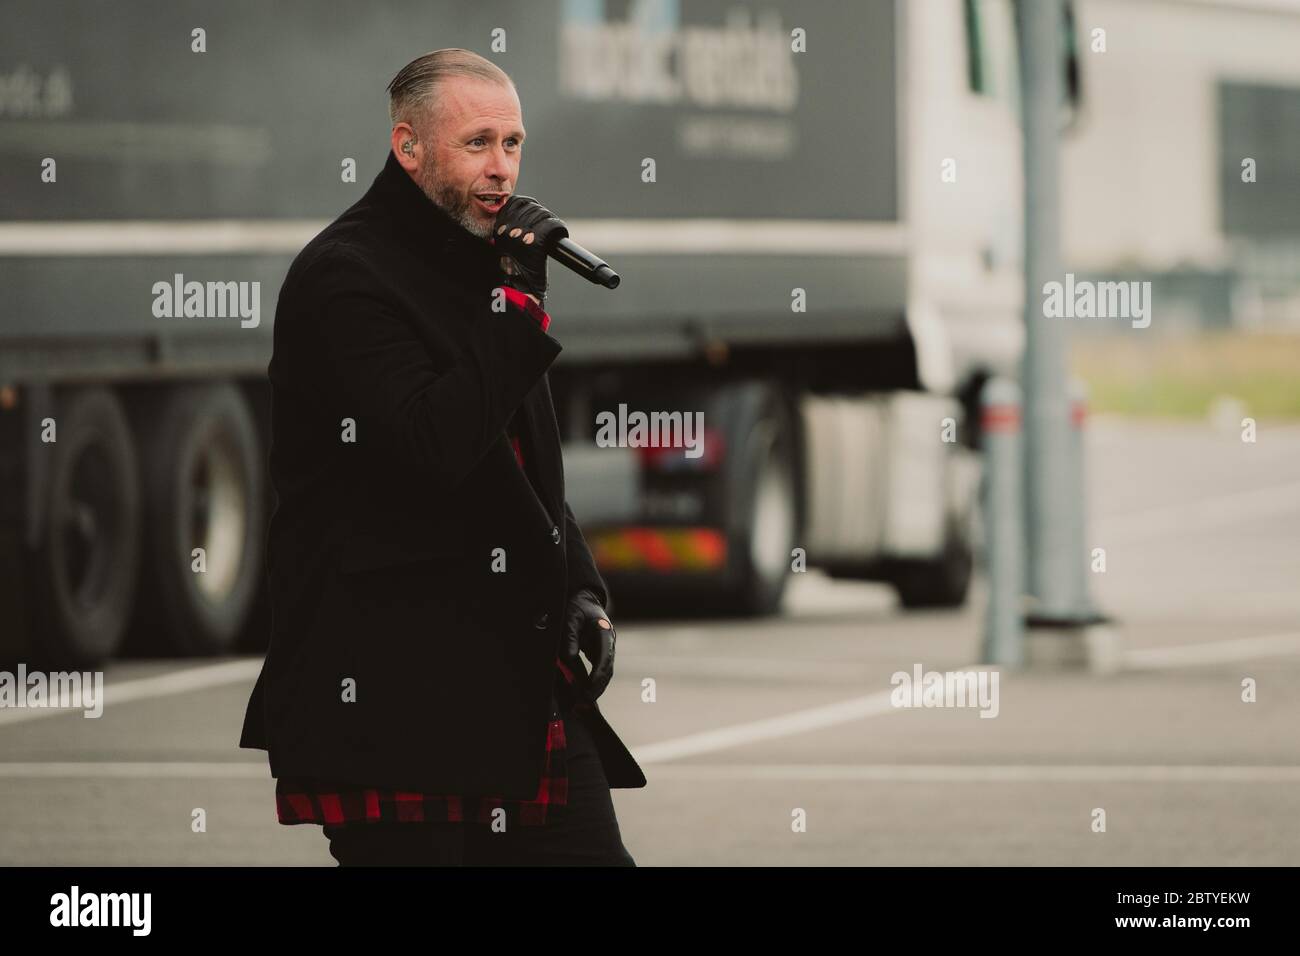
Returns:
point(1054, 539)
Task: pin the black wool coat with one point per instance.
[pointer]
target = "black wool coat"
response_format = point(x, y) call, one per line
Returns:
point(399, 498)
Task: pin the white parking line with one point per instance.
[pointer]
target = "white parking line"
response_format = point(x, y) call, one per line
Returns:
point(732, 668)
point(710, 741)
point(244, 769)
point(796, 722)
point(869, 773)
point(872, 705)
point(997, 773)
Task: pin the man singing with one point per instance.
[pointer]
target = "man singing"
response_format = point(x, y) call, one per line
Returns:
point(423, 698)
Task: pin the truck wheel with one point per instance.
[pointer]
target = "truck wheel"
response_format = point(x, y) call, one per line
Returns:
point(764, 522)
point(84, 573)
point(201, 461)
point(941, 582)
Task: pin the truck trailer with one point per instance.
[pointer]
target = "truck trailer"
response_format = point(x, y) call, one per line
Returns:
point(815, 210)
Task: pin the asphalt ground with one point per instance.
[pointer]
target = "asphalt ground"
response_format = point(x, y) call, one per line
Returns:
point(758, 725)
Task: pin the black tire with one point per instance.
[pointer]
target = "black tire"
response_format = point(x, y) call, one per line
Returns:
point(203, 479)
point(256, 635)
point(942, 582)
point(84, 572)
point(763, 475)
point(856, 570)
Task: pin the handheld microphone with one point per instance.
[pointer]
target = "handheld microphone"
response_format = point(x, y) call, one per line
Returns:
point(586, 264)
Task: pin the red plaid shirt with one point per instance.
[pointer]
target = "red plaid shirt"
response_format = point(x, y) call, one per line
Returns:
point(305, 801)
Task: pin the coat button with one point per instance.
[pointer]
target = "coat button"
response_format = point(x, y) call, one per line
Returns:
point(541, 621)
point(555, 534)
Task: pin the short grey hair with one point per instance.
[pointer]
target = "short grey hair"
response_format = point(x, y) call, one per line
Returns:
point(412, 93)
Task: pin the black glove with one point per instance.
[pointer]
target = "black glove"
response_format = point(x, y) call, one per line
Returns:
point(587, 628)
point(526, 269)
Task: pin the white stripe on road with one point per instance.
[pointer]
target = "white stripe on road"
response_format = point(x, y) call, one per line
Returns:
point(1212, 652)
point(143, 688)
point(884, 773)
point(244, 770)
point(797, 722)
point(731, 668)
point(872, 705)
point(771, 728)
point(995, 773)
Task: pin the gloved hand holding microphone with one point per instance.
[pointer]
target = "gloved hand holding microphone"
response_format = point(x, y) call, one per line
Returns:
point(523, 230)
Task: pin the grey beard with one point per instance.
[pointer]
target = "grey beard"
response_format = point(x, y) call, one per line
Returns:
point(455, 205)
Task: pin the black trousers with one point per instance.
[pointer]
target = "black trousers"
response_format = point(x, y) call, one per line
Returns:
point(584, 832)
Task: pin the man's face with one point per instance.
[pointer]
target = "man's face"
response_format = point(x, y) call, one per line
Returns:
point(471, 160)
